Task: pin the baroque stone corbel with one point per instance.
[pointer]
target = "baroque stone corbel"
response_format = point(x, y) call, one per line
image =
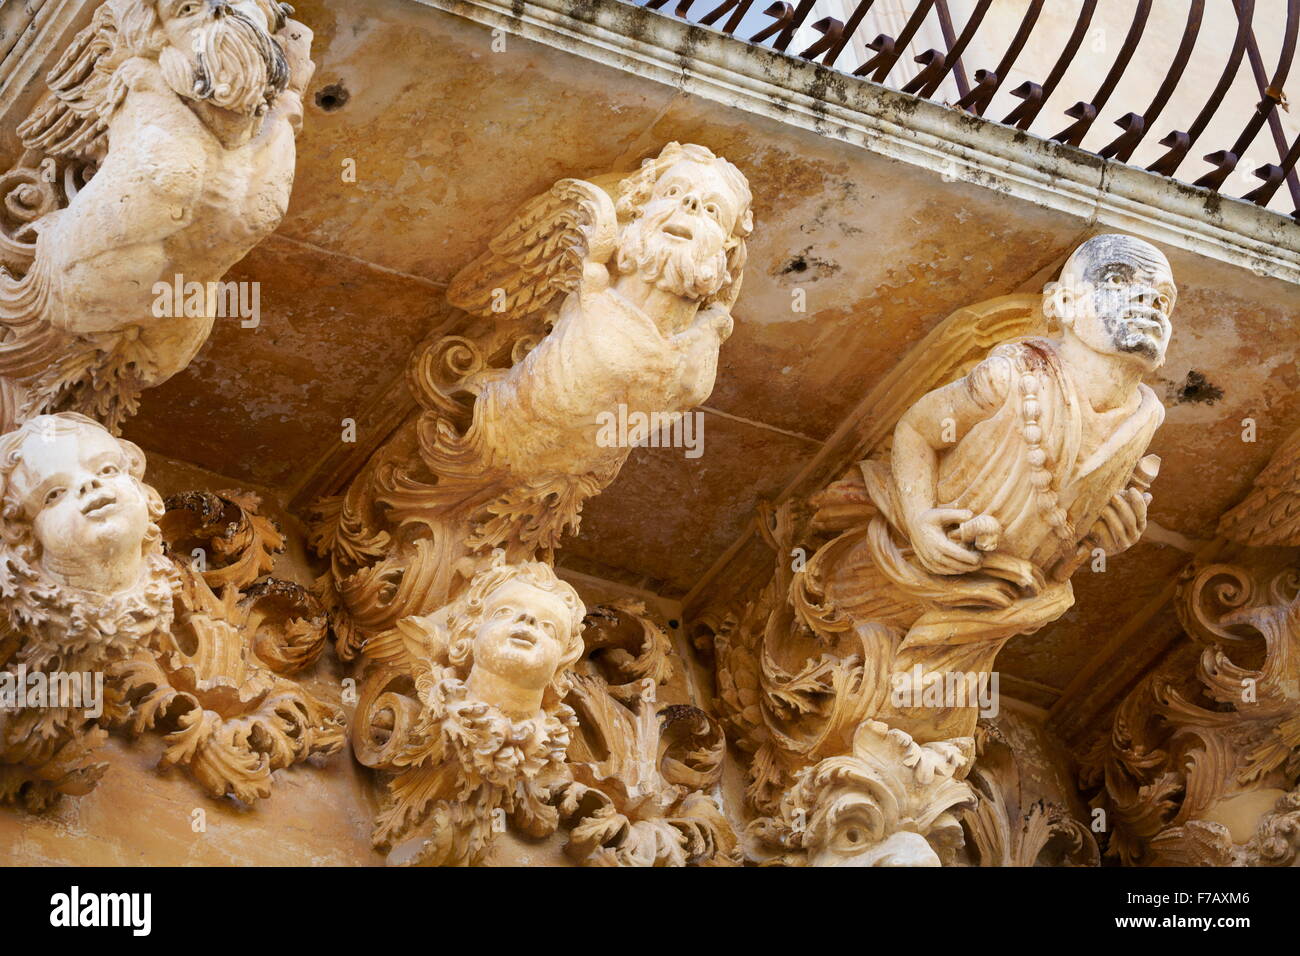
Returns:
point(595, 295)
point(910, 572)
point(99, 583)
point(465, 715)
point(1203, 759)
point(124, 197)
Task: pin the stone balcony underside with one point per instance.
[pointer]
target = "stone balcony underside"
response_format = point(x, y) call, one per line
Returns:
point(449, 136)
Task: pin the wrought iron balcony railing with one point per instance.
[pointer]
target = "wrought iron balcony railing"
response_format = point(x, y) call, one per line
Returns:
point(780, 23)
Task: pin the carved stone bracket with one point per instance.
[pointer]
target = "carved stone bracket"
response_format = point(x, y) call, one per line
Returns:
point(104, 289)
point(909, 572)
point(101, 586)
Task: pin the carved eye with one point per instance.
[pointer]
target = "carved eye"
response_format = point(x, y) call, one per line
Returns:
point(108, 470)
point(503, 611)
point(187, 9)
point(53, 495)
point(674, 191)
point(860, 827)
point(713, 210)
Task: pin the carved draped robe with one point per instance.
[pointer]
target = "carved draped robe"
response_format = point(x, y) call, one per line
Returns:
point(1035, 466)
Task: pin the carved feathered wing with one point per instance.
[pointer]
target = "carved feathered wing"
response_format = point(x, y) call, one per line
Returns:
point(86, 90)
point(40, 367)
point(540, 254)
point(1270, 514)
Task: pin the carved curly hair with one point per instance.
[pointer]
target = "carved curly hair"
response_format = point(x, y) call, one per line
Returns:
point(466, 612)
point(19, 551)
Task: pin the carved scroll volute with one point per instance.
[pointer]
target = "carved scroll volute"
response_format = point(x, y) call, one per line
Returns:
point(386, 713)
point(222, 535)
point(288, 625)
point(29, 191)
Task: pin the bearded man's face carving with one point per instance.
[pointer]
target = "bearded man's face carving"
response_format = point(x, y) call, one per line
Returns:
point(77, 492)
point(222, 52)
point(680, 242)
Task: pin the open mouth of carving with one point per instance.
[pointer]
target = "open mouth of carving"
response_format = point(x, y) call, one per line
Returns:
point(678, 231)
point(99, 505)
point(523, 637)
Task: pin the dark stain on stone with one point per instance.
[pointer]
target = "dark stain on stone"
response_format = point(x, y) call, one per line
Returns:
point(1197, 389)
point(333, 97)
point(807, 266)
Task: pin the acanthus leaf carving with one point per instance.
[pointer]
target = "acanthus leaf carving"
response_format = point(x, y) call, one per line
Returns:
point(90, 588)
point(1202, 748)
point(643, 771)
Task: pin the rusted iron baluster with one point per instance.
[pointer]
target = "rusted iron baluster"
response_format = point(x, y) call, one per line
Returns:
point(788, 19)
point(741, 8)
point(1035, 97)
point(1179, 142)
point(939, 65)
point(855, 18)
point(1273, 176)
point(1134, 126)
point(831, 31)
point(800, 15)
point(987, 84)
point(1085, 114)
point(888, 50)
point(950, 41)
point(1225, 161)
point(783, 14)
point(654, 4)
point(683, 7)
point(1275, 127)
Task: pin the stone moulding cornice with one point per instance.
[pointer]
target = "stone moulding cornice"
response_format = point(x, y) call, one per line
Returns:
point(809, 96)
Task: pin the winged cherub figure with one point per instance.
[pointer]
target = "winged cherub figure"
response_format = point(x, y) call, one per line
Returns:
point(491, 670)
point(188, 109)
point(636, 276)
point(651, 276)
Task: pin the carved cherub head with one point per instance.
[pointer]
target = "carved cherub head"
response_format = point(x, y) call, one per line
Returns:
point(687, 213)
point(79, 543)
point(891, 802)
point(492, 721)
point(1116, 295)
point(517, 629)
